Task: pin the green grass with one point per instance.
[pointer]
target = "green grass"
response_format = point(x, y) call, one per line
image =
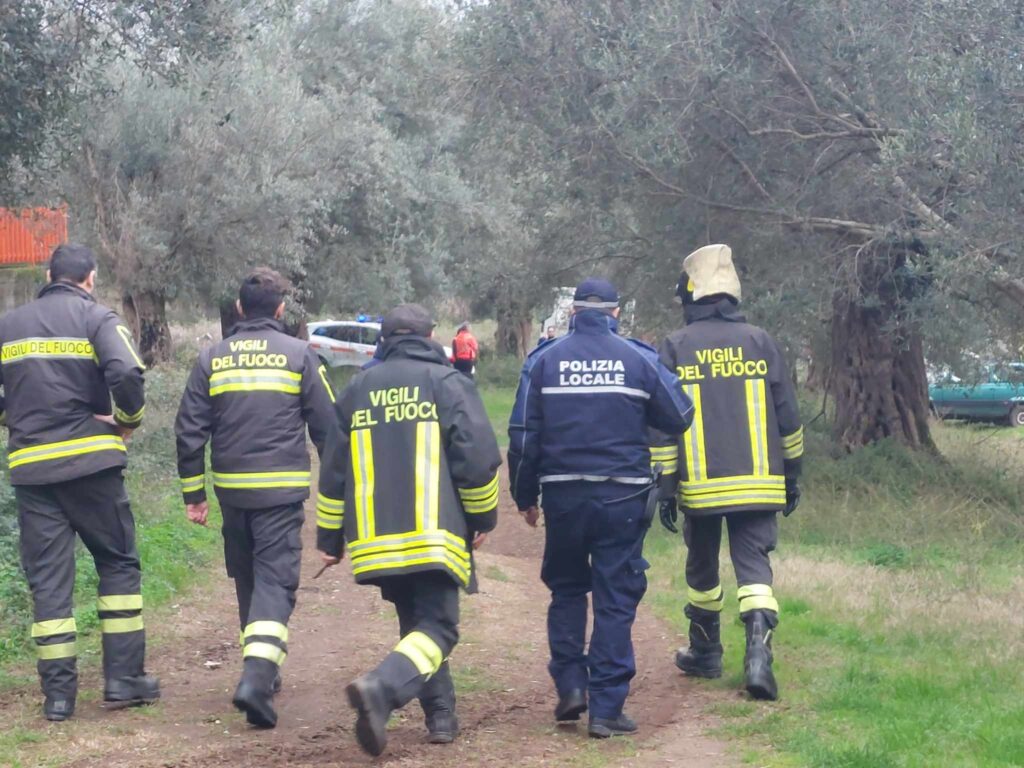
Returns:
point(899, 581)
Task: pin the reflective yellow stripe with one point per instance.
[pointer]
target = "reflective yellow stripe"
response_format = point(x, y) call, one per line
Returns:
point(725, 491)
point(483, 492)
point(757, 597)
point(693, 438)
point(118, 626)
point(327, 385)
point(264, 651)
point(428, 474)
point(752, 498)
point(192, 484)
point(77, 447)
point(48, 349)
point(229, 480)
point(667, 456)
point(422, 651)
point(256, 380)
point(363, 475)
point(396, 541)
point(54, 627)
point(459, 570)
point(327, 523)
point(126, 336)
point(327, 504)
point(709, 600)
point(119, 603)
point(58, 651)
point(267, 629)
point(793, 445)
point(129, 418)
point(757, 419)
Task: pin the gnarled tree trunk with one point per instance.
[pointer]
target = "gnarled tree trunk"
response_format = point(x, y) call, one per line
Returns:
point(146, 314)
point(878, 375)
point(514, 335)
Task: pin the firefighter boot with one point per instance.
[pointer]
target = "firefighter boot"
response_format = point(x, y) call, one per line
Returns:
point(437, 697)
point(757, 664)
point(255, 692)
point(59, 679)
point(369, 697)
point(704, 656)
point(571, 706)
point(124, 692)
point(58, 710)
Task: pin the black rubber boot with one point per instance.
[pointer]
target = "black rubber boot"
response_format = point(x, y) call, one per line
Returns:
point(571, 706)
point(369, 697)
point(124, 692)
point(437, 697)
point(601, 728)
point(757, 664)
point(704, 656)
point(255, 692)
point(58, 710)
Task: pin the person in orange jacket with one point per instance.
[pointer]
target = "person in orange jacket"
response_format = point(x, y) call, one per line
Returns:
point(465, 350)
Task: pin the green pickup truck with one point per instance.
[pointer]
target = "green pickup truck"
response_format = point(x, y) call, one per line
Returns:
point(999, 399)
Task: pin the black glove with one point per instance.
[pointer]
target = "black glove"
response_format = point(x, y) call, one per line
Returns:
point(792, 497)
point(668, 513)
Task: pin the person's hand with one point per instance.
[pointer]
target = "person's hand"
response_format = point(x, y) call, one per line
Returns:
point(123, 432)
point(792, 497)
point(198, 513)
point(669, 513)
point(531, 515)
point(329, 560)
point(479, 539)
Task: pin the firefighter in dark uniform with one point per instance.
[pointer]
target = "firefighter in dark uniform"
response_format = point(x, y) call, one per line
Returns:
point(253, 396)
point(63, 358)
point(739, 461)
point(579, 430)
point(418, 461)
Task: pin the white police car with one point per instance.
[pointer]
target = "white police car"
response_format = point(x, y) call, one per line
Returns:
point(344, 342)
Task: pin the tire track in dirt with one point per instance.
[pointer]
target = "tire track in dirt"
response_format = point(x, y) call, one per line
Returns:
point(338, 631)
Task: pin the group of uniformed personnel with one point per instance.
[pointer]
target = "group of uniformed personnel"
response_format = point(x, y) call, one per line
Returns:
point(605, 433)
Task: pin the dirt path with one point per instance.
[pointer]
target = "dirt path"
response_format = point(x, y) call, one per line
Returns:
point(340, 630)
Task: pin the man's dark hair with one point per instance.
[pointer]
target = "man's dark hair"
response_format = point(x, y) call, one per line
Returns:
point(262, 292)
point(72, 263)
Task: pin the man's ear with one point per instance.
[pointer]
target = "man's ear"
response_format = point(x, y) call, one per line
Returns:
point(48, 278)
point(616, 312)
point(238, 308)
point(90, 282)
point(279, 312)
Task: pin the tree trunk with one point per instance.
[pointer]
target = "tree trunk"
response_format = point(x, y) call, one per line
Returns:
point(146, 314)
point(878, 377)
point(228, 317)
point(514, 335)
point(294, 319)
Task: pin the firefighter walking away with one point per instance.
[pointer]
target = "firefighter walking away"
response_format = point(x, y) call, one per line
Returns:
point(63, 358)
point(738, 463)
point(418, 462)
point(252, 396)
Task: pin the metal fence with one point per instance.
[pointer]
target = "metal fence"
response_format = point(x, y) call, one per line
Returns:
point(29, 235)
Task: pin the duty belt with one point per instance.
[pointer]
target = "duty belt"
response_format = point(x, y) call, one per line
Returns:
point(651, 489)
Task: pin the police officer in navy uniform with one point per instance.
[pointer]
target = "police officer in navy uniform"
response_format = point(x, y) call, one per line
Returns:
point(738, 463)
point(579, 431)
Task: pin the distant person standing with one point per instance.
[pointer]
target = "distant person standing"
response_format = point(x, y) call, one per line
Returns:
point(64, 358)
point(465, 351)
point(549, 335)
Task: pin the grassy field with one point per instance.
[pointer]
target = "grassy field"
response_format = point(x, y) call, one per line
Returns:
point(900, 581)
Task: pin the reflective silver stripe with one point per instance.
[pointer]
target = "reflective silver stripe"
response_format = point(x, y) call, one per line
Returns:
point(607, 389)
point(595, 304)
point(595, 479)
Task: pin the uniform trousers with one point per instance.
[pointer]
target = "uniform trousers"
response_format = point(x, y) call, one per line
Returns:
point(427, 604)
point(95, 508)
point(593, 544)
point(263, 554)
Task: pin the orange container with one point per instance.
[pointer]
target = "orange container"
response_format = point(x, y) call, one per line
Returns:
point(29, 235)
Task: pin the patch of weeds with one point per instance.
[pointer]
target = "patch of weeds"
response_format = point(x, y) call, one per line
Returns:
point(494, 573)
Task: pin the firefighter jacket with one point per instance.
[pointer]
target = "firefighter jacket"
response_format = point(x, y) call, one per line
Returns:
point(62, 358)
point(418, 462)
point(585, 403)
point(746, 438)
point(252, 396)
